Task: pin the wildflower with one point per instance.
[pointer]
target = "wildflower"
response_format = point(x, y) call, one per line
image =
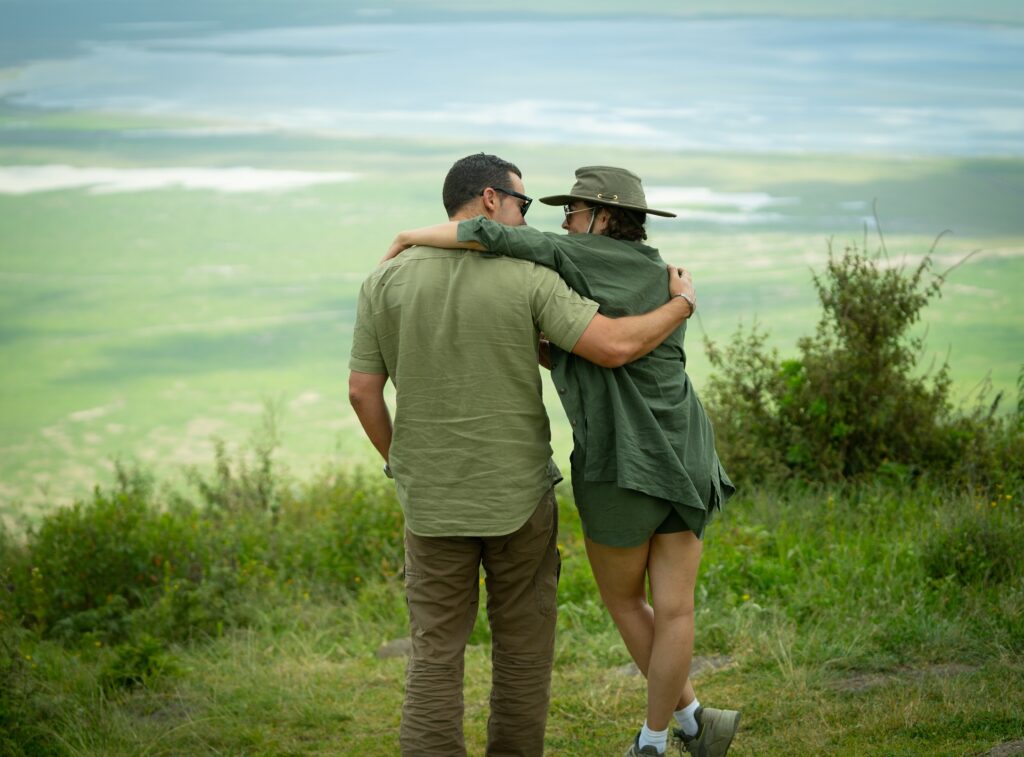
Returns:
point(746, 597)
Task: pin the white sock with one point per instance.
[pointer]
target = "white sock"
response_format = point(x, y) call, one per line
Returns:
point(686, 719)
point(657, 739)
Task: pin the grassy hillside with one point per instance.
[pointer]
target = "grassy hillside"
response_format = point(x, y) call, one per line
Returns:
point(834, 618)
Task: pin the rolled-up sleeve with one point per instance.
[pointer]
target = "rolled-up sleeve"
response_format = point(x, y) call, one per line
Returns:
point(366, 356)
point(561, 313)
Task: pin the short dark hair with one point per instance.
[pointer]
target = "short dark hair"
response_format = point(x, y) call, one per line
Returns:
point(471, 175)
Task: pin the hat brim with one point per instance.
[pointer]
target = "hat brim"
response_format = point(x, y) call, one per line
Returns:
point(566, 199)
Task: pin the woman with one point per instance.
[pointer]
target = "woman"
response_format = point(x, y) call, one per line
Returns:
point(645, 474)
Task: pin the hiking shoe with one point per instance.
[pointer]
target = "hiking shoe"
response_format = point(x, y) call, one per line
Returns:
point(716, 729)
point(635, 750)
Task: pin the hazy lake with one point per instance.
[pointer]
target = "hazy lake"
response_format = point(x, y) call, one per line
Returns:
point(748, 84)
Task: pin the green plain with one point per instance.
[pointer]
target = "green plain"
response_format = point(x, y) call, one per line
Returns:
point(143, 325)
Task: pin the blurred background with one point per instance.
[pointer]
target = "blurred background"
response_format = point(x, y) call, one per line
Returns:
point(191, 193)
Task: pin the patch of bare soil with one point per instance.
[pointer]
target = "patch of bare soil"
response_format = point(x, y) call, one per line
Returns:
point(1006, 749)
point(858, 682)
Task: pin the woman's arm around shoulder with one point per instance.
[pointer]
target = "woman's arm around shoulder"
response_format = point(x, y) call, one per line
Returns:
point(444, 235)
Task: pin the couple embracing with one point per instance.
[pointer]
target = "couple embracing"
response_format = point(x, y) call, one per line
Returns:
point(459, 323)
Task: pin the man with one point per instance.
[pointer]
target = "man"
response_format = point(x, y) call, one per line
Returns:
point(470, 452)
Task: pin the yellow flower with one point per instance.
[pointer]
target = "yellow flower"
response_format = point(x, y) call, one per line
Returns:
point(746, 597)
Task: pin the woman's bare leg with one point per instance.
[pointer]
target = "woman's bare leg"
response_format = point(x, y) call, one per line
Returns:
point(672, 566)
point(621, 575)
point(672, 561)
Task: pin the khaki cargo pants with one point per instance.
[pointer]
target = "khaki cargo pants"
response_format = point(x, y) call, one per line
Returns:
point(442, 590)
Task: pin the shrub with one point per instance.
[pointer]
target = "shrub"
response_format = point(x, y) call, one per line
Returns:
point(990, 445)
point(90, 563)
point(22, 716)
point(855, 401)
point(743, 397)
point(980, 547)
point(341, 531)
point(139, 663)
point(120, 564)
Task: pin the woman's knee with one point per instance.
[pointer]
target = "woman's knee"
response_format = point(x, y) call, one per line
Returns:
point(674, 609)
point(623, 606)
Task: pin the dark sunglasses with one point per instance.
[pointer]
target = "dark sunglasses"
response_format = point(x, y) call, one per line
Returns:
point(527, 201)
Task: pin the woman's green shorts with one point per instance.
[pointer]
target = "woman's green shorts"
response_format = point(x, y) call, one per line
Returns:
point(618, 517)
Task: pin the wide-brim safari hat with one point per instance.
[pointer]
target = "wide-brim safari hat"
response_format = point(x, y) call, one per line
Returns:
point(606, 185)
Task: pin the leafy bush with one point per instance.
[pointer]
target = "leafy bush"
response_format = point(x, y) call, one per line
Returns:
point(123, 564)
point(744, 398)
point(855, 401)
point(139, 663)
point(91, 563)
point(240, 484)
point(980, 547)
point(989, 444)
point(20, 710)
point(341, 531)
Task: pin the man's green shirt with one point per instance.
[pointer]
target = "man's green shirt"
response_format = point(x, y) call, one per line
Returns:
point(642, 426)
point(457, 335)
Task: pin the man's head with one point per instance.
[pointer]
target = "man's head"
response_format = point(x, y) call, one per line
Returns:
point(485, 185)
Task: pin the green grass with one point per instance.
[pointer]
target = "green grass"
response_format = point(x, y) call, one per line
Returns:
point(833, 615)
point(141, 325)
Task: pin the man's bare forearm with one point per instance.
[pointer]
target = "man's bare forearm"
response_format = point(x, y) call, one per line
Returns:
point(366, 394)
point(612, 342)
point(642, 333)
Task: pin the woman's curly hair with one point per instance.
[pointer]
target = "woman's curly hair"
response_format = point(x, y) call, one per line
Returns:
point(627, 225)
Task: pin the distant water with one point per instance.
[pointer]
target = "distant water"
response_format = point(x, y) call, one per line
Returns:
point(761, 84)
